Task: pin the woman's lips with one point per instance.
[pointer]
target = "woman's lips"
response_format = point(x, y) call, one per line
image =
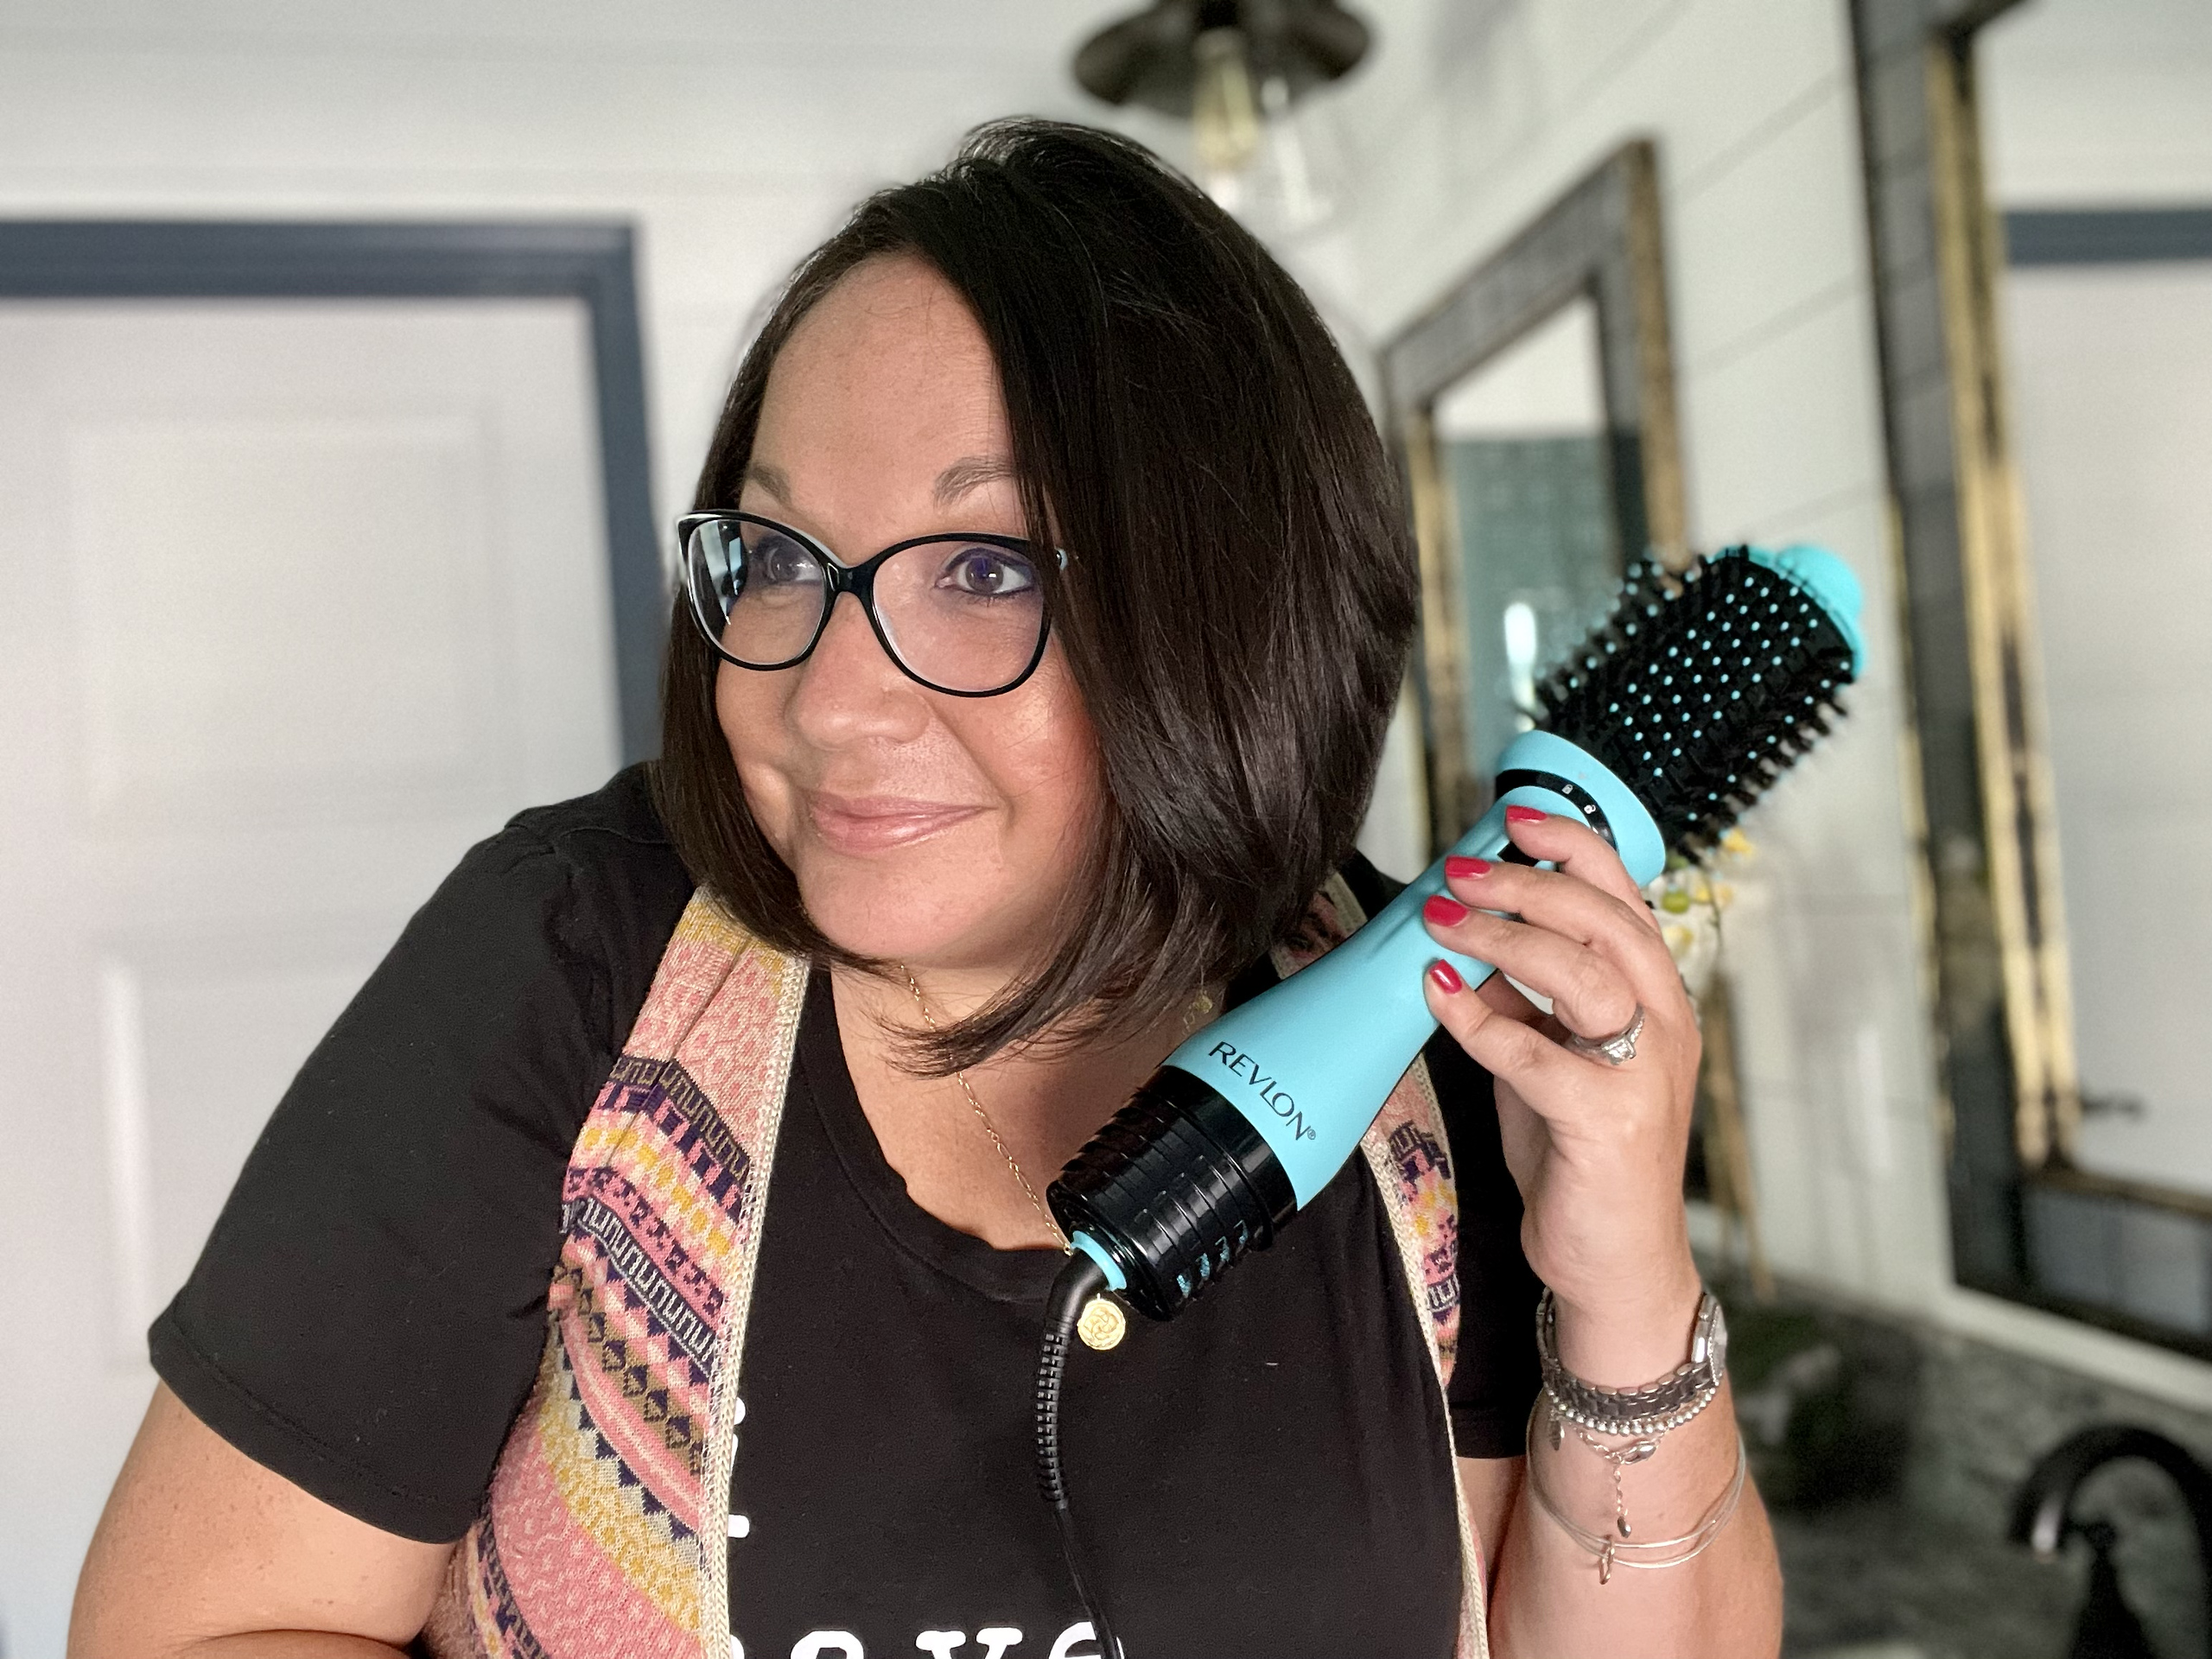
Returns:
point(872, 823)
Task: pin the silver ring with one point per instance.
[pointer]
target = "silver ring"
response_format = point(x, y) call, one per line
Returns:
point(1616, 1050)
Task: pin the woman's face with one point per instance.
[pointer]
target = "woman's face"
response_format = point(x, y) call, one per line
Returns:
point(939, 831)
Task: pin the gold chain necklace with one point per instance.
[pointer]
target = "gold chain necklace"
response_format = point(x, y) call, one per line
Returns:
point(1102, 1323)
point(984, 1118)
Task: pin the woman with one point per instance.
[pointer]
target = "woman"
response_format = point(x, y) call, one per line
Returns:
point(977, 842)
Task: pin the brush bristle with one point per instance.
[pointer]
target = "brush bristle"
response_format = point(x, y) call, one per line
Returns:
point(1701, 689)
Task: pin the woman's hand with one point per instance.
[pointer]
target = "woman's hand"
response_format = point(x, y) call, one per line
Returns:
point(1596, 1150)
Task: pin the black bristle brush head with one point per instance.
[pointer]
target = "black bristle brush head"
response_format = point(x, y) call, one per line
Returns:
point(1702, 688)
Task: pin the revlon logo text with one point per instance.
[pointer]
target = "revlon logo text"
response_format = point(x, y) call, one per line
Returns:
point(1279, 1099)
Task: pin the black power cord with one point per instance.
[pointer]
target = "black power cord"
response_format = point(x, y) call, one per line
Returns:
point(1080, 1280)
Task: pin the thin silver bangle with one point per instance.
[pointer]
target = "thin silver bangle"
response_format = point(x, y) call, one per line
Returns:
point(1613, 1552)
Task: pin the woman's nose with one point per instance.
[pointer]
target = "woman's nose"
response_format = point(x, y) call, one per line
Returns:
point(850, 689)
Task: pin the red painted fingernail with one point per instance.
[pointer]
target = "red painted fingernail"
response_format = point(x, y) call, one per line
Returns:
point(1445, 912)
point(1446, 977)
point(1460, 868)
point(1524, 815)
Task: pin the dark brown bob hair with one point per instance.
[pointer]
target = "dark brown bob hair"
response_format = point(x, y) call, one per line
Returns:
point(1240, 584)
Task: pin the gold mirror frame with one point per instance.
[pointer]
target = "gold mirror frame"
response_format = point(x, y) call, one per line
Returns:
point(2027, 900)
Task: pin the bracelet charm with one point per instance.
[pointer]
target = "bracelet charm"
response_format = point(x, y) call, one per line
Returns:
point(1650, 1554)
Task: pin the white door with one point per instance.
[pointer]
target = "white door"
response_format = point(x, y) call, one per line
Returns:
point(297, 600)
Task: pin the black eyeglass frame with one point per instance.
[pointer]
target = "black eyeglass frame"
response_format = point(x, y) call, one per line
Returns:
point(858, 581)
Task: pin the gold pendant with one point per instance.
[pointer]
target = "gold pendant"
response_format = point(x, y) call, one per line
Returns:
point(1102, 1325)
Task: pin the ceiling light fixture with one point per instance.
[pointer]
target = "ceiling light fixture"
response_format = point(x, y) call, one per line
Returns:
point(1236, 69)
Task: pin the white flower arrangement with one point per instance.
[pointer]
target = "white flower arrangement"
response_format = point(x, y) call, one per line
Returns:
point(1690, 898)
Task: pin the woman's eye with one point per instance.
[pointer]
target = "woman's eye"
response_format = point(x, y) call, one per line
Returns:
point(987, 572)
point(781, 564)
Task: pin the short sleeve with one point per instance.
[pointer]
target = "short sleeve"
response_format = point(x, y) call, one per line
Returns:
point(369, 1312)
point(1496, 1377)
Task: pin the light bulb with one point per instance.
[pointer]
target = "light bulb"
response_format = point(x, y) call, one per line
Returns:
point(1224, 113)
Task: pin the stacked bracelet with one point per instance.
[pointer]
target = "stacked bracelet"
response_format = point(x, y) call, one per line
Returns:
point(1643, 1416)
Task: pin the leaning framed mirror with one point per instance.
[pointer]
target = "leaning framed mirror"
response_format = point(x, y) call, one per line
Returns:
point(1533, 412)
point(1533, 407)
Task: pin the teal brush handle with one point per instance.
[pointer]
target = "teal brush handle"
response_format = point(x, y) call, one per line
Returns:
point(1310, 1062)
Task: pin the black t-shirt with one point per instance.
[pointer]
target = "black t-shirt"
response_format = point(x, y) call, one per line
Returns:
point(1265, 1475)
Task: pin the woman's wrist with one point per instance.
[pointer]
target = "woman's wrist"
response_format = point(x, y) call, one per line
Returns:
point(1625, 1341)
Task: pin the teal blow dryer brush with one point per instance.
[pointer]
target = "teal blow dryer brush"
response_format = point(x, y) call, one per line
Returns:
point(1675, 715)
point(1696, 694)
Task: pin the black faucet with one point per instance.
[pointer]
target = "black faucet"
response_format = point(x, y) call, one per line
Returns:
point(2108, 1628)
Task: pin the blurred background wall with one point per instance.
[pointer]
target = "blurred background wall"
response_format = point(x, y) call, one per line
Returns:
point(153, 874)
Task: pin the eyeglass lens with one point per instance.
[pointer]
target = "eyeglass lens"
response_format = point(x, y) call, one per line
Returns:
point(959, 615)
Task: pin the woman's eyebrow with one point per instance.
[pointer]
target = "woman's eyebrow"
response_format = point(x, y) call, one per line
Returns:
point(773, 479)
point(970, 473)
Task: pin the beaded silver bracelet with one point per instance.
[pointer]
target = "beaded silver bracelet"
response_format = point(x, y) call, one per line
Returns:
point(1650, 1410)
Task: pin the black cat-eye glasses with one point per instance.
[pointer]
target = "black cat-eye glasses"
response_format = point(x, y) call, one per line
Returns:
point(963, 614)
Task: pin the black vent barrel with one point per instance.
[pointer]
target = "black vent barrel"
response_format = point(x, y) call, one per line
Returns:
point(1702, 688)
point(1176, 1188)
